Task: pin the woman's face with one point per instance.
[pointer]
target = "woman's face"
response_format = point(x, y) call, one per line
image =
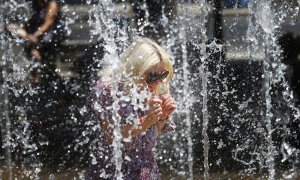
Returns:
point(154, 76)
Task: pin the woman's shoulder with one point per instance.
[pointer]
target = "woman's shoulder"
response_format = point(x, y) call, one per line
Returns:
point(102, 86)
point(101, 92)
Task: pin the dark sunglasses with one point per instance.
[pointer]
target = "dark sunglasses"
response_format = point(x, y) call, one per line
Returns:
point(153, 76)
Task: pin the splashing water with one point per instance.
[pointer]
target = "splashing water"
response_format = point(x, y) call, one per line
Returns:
point(235, 107)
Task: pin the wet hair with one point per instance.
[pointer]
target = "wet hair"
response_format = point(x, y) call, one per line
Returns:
point(141, 56)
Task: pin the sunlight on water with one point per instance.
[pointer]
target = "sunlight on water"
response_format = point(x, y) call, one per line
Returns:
point(237, 113)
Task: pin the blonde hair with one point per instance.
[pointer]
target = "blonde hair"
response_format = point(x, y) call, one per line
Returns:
point(141, 56)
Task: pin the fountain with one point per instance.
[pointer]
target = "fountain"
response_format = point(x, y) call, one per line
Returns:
point(236, 113)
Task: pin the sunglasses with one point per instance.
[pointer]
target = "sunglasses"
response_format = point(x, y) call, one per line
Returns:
point(153, 76)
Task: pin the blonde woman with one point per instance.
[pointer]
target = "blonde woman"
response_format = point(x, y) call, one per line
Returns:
point(142, 108)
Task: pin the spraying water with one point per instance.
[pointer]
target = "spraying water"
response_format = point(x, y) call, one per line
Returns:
point(256, 127)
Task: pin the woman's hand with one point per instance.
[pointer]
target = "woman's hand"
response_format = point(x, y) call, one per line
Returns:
point(32, 38)
point(155, 110)
point(168, 105)
point(16, 30)
point(21, 33)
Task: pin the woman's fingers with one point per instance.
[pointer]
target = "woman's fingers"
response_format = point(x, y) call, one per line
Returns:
point(168, 105)
point(165, 96)
point(159, 106)
point(21, 33)
point(154, 114)
point(155, 109)
point(168, 102)
point(158, 110)
point(155, 103)
point(155, 99)
point(169, 110)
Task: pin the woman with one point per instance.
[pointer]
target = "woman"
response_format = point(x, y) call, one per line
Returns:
point(45, 28)
point(44, 31)
point(133, 96)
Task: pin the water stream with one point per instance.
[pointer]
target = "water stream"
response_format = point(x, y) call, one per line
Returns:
point(235, 114)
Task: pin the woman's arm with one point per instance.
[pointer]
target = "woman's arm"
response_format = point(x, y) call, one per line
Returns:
point(127, 130)
point(161, 124)
point(132, 130)
point(168, 106)
point(50, 15)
